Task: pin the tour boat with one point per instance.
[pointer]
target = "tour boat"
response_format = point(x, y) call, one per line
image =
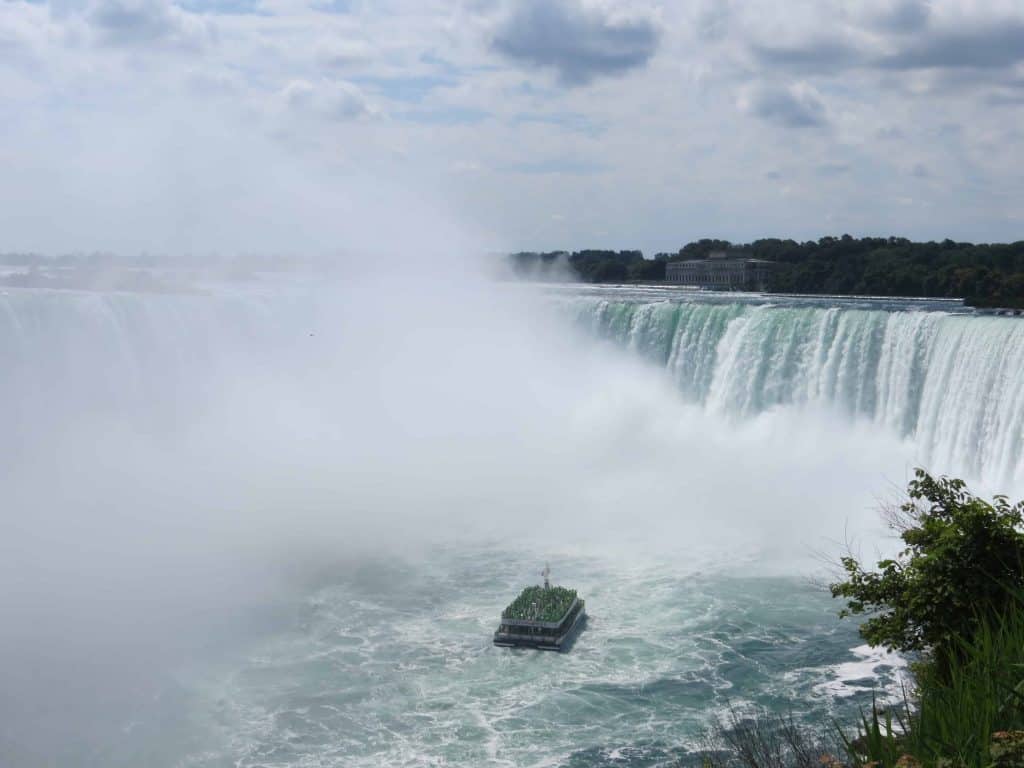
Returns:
point(546, 618)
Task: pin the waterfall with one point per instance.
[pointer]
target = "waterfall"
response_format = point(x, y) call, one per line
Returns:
point(952, 383)
point(69, 358)
point(949, 382)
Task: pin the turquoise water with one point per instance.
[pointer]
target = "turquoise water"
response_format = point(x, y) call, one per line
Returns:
point(930, 371)
point(394, 666)
point(196, 489)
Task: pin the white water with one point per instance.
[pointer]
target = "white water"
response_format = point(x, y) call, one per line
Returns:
point(374, 468)
point(950, 383)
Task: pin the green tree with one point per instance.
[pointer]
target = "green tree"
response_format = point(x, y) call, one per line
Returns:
point(647, 269)
point(962, 565)
point(986, 275)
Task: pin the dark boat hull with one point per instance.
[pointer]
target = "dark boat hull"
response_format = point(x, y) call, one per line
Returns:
point(561, 642)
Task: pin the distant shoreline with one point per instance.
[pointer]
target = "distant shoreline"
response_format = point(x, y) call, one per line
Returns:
point(984, 276)
point(953, 302)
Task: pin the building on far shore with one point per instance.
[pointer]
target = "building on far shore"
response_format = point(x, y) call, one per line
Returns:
point(721, 271)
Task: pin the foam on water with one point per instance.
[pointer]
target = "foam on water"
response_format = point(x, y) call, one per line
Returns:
point(399, 418)
point(395, 667)
point(863, 675)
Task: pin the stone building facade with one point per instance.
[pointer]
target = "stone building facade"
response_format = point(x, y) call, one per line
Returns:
point(721, 272)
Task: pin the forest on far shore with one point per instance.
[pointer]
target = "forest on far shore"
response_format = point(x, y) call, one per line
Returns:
point(985, 275)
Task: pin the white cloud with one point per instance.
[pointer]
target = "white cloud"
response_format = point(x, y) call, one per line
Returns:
point(147, 22)
point(482, 84)
point(24, 30)
point(342, 54)
point(794, 106)
point(579, 41)
point(328, 99)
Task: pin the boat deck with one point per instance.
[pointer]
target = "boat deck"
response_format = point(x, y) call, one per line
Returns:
point(542, 635)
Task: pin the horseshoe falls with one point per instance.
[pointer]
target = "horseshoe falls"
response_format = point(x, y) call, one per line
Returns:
point(945, 379)
point(274, 525)
point(949, 381)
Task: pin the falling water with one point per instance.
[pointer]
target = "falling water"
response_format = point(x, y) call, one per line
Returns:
point(948, 381)
point(168, 458)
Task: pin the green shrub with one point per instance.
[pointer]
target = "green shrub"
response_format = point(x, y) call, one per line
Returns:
point(954, 597)
point(953, 715)
point(961, 565)
point(980, 694)
point(763, 741)
point(882, 737)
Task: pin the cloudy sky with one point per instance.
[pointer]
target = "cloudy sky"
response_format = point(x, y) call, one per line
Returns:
point(310, 124)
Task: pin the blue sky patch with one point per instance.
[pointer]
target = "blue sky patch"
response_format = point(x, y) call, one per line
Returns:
point(444, 116)
point(409, 89)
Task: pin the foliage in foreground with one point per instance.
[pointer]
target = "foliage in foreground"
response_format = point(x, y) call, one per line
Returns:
point(540, 604)
point(744, 741)
point(955, 599)
point(954, 715)
point(963, 721)
point(961, 566)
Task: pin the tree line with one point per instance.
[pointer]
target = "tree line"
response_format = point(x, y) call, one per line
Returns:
point(989, 274)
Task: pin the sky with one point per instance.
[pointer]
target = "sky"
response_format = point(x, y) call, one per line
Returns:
point(270, 125)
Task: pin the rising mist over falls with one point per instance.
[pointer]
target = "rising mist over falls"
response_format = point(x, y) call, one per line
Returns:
point(184, 474)
point(356, 406)
point(946, 381)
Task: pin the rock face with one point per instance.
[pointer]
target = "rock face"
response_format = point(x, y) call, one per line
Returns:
point(1007, 749)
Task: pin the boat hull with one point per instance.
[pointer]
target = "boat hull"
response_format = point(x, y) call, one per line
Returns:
point(561, 641)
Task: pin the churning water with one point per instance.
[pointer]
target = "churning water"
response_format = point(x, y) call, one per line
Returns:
point(385, 468)
point(394, 667)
